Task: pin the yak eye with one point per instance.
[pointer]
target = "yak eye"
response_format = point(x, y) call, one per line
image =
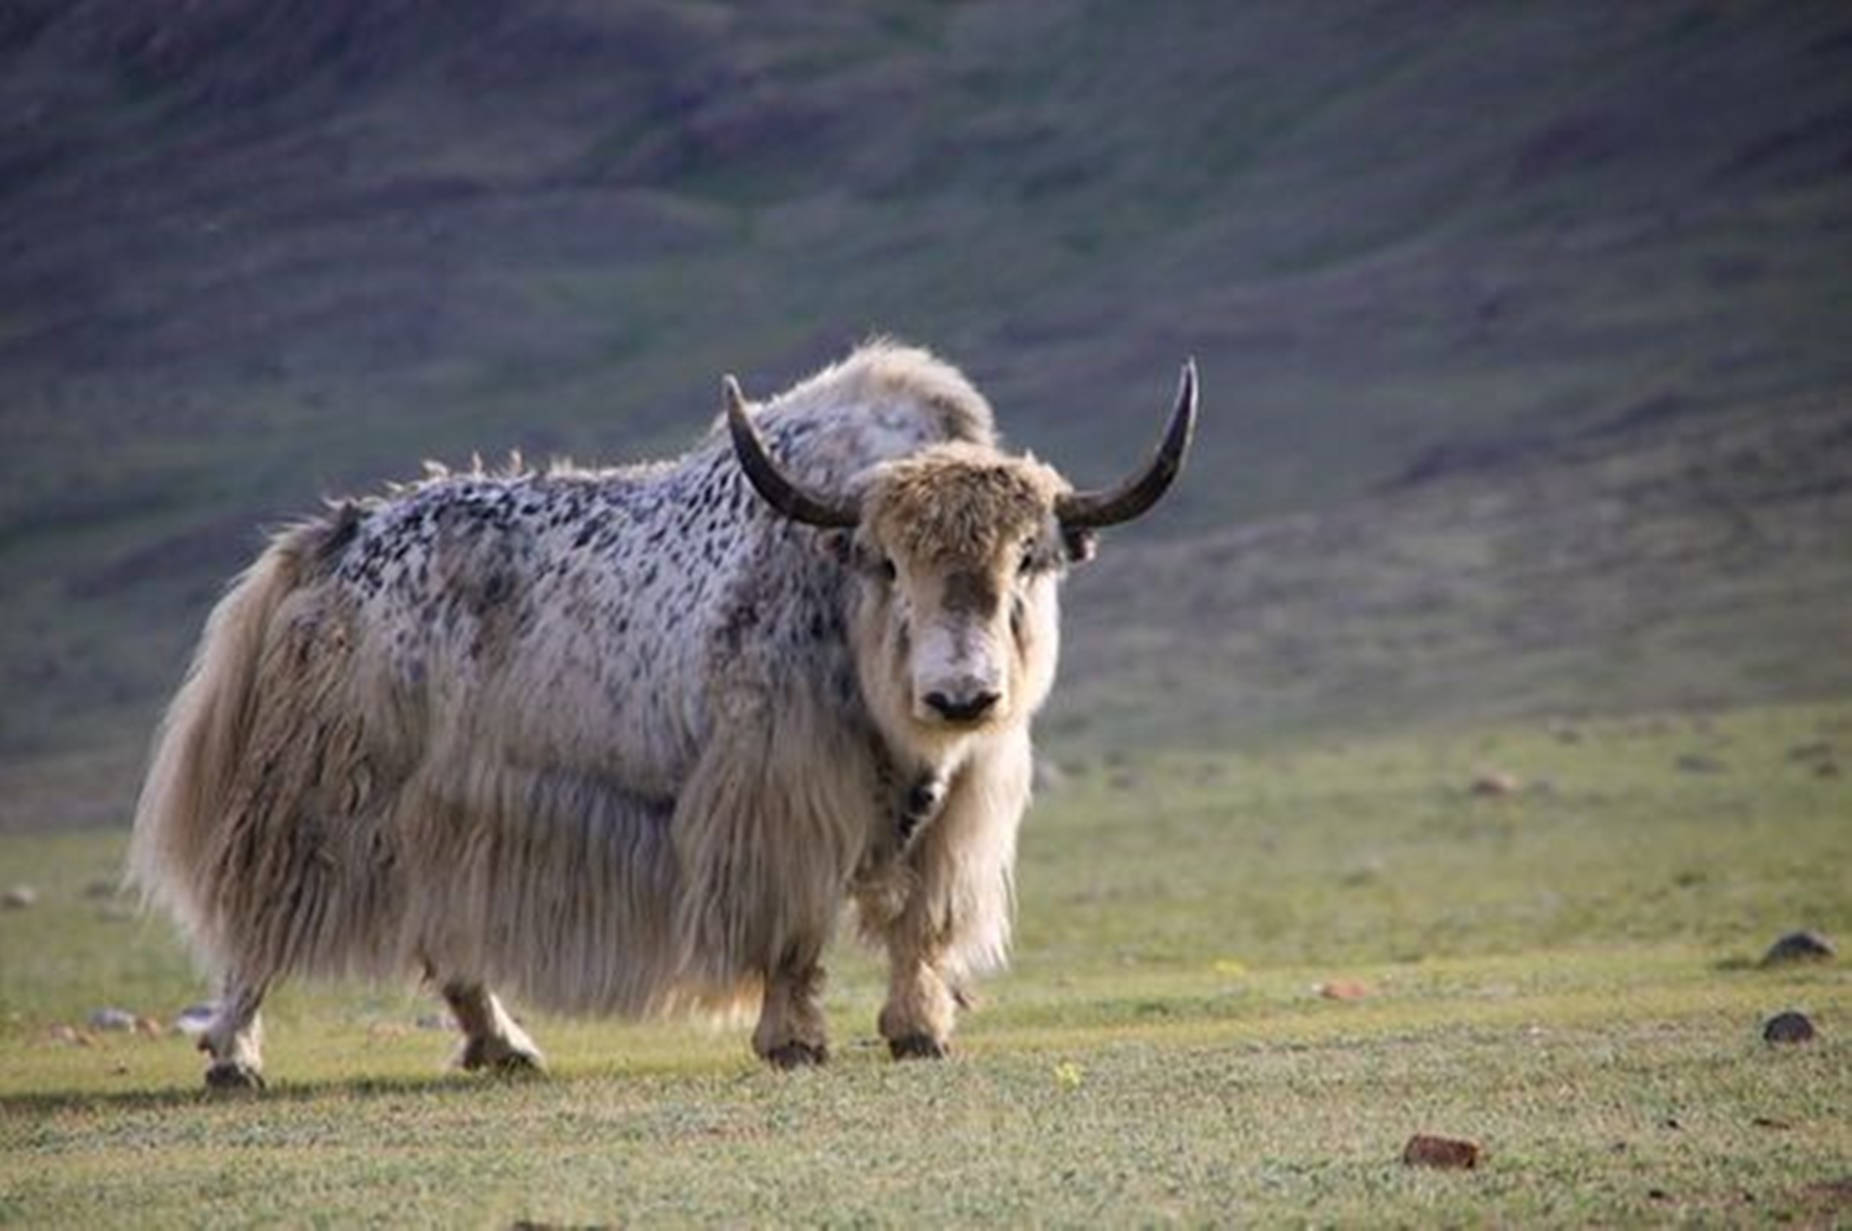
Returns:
point(886, 570)
point(1027, 563)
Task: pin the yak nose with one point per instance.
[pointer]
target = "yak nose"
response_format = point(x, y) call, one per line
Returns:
point(965, 707)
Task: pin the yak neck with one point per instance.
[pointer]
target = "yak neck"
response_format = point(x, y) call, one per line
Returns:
point(913, 787)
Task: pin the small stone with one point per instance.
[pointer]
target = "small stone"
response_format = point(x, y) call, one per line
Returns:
point(1343, 989)
point(1698, 763)
point(150, 1028)
point(112, 1019)
point(19, 897)
point(1789, 1027)
point(61, 1033)
point(1803, 946)
point(1423, 1150)
point(1493, 784)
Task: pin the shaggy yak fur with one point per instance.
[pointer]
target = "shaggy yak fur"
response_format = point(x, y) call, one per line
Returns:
point(627, 741)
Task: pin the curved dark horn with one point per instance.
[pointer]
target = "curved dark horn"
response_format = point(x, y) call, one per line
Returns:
point(1111, 506)
point(771, 482)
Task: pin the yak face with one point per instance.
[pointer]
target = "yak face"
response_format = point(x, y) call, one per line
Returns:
point(959, 553)
point(959, 548)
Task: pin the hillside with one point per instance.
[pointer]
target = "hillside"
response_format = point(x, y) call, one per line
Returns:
point(1471, 288)
point(1693, 565)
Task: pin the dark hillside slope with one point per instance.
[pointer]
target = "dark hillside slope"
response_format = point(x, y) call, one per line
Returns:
point(1687, 565)
point(251, 252)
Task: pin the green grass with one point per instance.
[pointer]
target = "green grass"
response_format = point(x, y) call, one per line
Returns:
point(1565, 975)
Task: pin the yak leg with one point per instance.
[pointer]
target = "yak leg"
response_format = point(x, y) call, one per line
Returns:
point(791, 1031)
point(235, 1039)
point(955, 920)
point(917, 1019)
point(491, 1038)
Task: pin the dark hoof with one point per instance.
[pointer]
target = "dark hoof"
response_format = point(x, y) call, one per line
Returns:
point(231, 1075)
point(918, 1047)
point(795, 1055)
point(496, 1057)
point(516, 1065)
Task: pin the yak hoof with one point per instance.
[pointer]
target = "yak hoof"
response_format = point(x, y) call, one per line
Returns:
point(231, 1075)
point(516, 1064)
point(797, 1055)
point(497, 1057)
point(917, 1047)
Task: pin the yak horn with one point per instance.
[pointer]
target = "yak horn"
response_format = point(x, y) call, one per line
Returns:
point(772, 483)
point(1111, 506)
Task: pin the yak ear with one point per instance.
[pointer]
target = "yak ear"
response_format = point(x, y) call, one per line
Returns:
point(1081, 543)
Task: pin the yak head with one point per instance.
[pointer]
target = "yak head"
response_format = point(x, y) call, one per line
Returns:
point(959, 548)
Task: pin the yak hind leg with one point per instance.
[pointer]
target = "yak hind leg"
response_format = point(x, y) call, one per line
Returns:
point(235, 1039)
point(491, 1038)
point(791, 1032)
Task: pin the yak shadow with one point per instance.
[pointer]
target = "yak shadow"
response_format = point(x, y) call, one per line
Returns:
point(445, 1085)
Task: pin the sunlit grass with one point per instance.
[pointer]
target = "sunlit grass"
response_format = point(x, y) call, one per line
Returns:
point(1565, 974)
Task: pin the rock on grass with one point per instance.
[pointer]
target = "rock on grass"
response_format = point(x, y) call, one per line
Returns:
point(1493, 784)
point(1804, 946)
point(1343, 989)
point(19, 897)
point(61, 1032)
point(1789, 1027)
point(1447, 1153)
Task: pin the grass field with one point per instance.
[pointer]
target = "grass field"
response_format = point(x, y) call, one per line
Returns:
point(1565, 974)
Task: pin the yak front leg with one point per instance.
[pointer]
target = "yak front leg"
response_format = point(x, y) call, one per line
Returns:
point(921, 1006)
point(491, 1038)
point(791, 1032)
point(235, 1039)
point(954, 920)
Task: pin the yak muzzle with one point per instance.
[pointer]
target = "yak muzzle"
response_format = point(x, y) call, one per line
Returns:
point(963, 706)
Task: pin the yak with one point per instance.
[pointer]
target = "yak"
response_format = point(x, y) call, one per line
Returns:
point(634, 740)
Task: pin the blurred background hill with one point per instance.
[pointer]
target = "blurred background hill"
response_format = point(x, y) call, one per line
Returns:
point(1525, 329)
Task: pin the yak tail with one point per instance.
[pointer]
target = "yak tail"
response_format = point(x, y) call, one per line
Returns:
point(202, 738)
